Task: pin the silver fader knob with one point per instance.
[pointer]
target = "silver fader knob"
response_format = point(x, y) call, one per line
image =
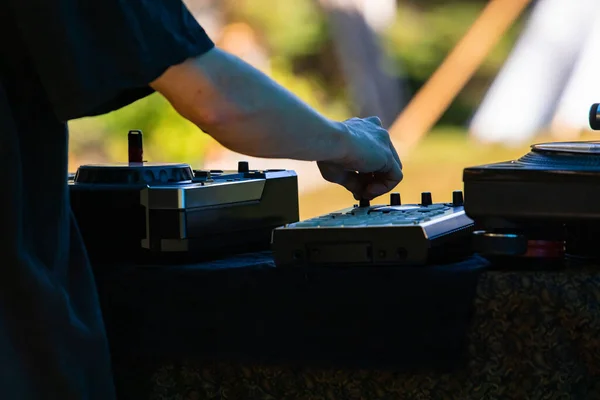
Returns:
point(426, 199)
point(395, 199)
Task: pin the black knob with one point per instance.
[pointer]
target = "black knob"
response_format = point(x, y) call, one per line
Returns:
point(136, 146)
point(243, 166)
point(595, 116)
point(457, 198)
point(426, 199)
point(395, 199)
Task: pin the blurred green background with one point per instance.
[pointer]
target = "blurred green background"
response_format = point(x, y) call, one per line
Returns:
point(295, 36)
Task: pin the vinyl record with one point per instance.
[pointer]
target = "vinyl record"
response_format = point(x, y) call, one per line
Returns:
point(564, 155)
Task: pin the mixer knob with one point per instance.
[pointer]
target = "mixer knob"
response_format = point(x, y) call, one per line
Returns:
point(426, 199)
point(595, 117)
point(457, 198)
point(243, 166)
point(395, 199)
point(136, 146)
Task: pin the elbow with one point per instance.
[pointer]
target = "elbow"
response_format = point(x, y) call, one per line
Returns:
point(210, 115)
point(193, 90)
point(206, 118)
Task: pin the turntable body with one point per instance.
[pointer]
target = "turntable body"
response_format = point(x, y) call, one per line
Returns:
point(545, 204)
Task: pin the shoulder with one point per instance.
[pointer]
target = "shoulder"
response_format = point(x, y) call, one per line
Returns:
point(96, 56)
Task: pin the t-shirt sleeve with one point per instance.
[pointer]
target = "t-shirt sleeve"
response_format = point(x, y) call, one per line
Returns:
point(95, 56)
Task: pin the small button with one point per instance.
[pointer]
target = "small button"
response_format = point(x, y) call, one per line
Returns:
point(395, 199)
point(457, 198)
point(426, 199)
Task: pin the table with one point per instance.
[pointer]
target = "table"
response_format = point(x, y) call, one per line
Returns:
point(242, 329)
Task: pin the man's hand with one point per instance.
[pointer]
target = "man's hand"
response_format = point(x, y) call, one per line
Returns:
point(247, 112)
point(372, 153)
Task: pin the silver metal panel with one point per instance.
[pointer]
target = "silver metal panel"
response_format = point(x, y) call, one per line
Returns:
point(198, 195)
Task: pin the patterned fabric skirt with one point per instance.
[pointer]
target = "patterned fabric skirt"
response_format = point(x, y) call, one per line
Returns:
point(531, 335)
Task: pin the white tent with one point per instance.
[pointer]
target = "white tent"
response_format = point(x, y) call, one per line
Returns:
point(546, 70)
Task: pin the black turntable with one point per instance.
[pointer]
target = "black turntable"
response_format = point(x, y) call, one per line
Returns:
point(543, 205)
point(153, 212)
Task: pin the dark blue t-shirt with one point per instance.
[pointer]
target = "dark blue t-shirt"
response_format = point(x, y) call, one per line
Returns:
point(65, 59)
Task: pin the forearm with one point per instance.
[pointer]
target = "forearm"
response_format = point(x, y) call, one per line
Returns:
point(249, 113)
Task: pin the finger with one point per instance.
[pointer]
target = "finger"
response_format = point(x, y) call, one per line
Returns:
point(349, 180)
point(376, 189)
point(374, 120)
point(384, 182)
point(355, 183)
point(392, 171)
point(382, 186)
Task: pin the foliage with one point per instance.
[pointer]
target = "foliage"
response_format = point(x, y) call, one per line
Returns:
point(421, 38)
point(296, 37)
point(289, 29)
point(167, 136)
point(310, 90)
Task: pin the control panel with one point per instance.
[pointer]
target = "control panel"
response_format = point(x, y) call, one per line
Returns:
point(391, 234)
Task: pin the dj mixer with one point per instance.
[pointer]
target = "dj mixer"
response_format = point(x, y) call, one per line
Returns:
point(154, 212)
point(393, 234)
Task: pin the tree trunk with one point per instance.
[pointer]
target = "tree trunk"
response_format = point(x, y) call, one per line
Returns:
point(373, 91)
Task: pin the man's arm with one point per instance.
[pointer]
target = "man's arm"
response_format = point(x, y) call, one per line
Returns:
point(249, 113)
point(160, 44)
